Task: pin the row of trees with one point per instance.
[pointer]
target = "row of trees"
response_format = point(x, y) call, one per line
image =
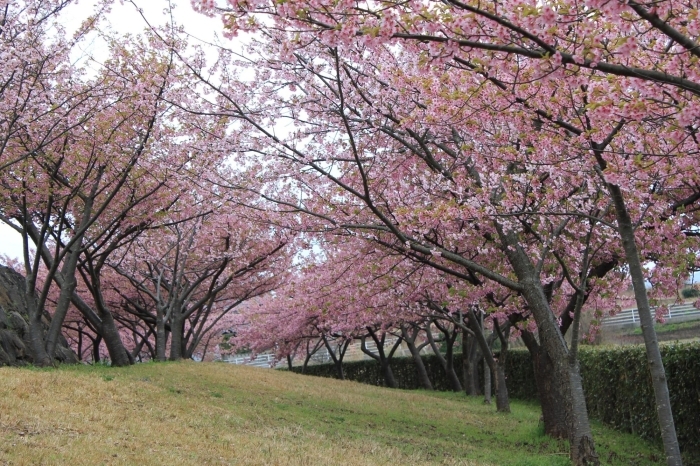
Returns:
point(125, 244)
point(530, 146)
point(379, 165)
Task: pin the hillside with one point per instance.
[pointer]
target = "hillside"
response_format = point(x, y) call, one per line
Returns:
point(190, 413)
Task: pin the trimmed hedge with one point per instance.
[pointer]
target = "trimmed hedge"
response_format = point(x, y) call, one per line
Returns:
point(618, 390)
point(521, 382)
point(616, 381)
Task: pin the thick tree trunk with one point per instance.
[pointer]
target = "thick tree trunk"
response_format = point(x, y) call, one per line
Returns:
point(110, 334)
point(502, 401)
point(656, 367)
point(565, 377)
point(567, 383)
point(35, 330)
point(553, 412)
point(421, 371)
point(177, 330)
point(388, 374)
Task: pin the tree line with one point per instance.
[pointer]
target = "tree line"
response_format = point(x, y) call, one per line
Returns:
point(364, 168)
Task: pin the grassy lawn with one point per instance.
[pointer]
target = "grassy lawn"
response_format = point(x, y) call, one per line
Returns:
point(670, 327)
point(193, 413)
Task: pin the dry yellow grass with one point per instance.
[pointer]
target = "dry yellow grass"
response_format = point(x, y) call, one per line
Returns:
point(84, 418)
point(192, 414)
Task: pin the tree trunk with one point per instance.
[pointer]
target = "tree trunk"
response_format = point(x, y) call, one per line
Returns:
point(470, 364)
point(96, 349)
point(656, 367)
point(69, 284)
point(177, 330)
point(447, 361)
point(80, 345)
point(309, 353)
point(565, 377)
point(381, 357)
point(551, 400)
point(161, 339)
point(491, 363)
point(502, 401)
point(450, 366)
point(421, 371)
point(36, 330)
point(337, 359)
point(487, 383)
point(110, 334)
point(567, 382)
point(388, 374)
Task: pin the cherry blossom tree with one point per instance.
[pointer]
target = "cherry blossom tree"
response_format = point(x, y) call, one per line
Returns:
point(78, 199)
point(575, 80)
point(188, 275)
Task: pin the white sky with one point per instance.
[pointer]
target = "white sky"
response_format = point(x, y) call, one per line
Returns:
point(124, 19)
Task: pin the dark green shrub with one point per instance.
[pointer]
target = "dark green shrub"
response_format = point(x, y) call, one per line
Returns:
point(616, 381)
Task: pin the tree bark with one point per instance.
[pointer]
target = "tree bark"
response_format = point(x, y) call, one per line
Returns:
point(551, 400)
point(564, 376)
point(68, 272)
point(177, 330)
point(447, 361)
point(656, 367)
point(487, 383)
point(502, 404)
point(96, 348)
point(470, 364)
point(381, 357)
point(161, 339)
point(421, 371)
point(309, 353)
point(337, 359)
point(502, 400)
point(110, 334)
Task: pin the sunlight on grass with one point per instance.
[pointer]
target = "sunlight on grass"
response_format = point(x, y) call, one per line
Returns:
point(189, 413)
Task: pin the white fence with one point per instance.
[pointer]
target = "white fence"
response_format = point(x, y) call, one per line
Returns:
point(320, 357)
point(629, 317)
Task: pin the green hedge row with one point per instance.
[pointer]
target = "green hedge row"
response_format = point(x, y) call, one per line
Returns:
point(616, 382)
point(618, 390)
point(521, 384)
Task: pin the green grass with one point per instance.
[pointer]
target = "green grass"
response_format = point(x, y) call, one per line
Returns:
point(669, 327)
point(189, 413)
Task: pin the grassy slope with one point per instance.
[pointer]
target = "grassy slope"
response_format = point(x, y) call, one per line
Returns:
point(189, 413)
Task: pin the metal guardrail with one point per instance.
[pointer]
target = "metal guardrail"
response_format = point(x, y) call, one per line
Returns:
point(678, 312)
